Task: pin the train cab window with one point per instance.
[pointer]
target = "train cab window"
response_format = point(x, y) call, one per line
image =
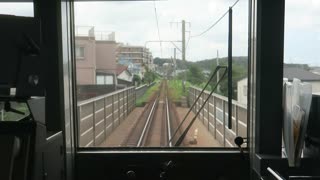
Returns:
point(162, 56)
point(17, 9)
point(301, 72)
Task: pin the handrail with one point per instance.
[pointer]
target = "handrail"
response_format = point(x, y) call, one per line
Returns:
point(140, 87)
point(87, 101)
point(221, 97)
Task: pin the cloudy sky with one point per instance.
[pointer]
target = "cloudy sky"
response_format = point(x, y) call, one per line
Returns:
point(135, 23)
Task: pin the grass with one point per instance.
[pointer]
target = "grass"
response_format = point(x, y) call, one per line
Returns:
point(176, 89)
point(145, 98)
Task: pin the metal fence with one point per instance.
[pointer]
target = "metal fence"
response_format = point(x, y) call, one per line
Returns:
point(99, 116)
point(141, 90)
point(214, 116)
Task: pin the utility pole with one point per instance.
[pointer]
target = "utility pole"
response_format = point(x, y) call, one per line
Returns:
point(183, 49)
point(183, 40)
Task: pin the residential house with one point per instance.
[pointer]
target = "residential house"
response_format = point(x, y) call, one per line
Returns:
point(289, 74)
point(96, 59)
point(124, 76)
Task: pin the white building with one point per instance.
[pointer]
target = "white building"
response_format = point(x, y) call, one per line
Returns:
point(123, 74)
point(242, 90)
point(289, 74)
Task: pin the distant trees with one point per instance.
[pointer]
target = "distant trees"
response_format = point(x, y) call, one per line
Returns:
point(149, 76)
point(238, 72)
point(195, 75)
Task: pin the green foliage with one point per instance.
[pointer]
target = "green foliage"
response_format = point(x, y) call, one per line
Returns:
point(302, 66)
point(238, 72)
point(136, 80)
point(195, 75)
point(149, 93)
point(149, 77)
point(177, 90)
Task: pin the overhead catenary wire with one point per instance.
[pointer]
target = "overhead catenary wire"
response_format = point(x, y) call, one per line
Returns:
point(157, 22)
point(215, 23)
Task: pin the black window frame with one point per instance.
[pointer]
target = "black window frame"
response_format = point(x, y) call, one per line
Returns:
point(159, 149)
point(266, 18)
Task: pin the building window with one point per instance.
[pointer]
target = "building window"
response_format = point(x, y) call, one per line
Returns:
point(100, 80)
point(104, 80)
point(80, 52)
point(109, 79)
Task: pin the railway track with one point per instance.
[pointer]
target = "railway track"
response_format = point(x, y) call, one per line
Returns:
point(156, 123)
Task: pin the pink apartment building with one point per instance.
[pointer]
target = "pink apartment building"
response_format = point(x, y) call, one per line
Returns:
point(96, 60)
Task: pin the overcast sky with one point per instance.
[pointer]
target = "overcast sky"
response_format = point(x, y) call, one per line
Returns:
point(135, 23)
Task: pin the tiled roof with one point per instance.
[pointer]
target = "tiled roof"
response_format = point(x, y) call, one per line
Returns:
point(121, 68)
point(301, 74)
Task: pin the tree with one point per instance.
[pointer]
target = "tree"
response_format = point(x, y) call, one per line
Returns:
point(149, 76)
point(238, 72)
point(136, 80)
point(195, 75)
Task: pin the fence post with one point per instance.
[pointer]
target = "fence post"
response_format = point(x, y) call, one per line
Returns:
point(203, 97)
point(215, 116)
point(194, 99)
point(237, 120)
point(208, 110)
point(224, 123)
point(113, 118)
point(94, 123)
point(119, 112)
point(104, 118)
point(127, 95)
point(79, 125)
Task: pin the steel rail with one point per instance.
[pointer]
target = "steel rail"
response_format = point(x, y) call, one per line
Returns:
point(143, 133)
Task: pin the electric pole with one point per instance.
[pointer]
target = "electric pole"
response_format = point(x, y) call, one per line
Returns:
point(183, 40)
point(183, 49)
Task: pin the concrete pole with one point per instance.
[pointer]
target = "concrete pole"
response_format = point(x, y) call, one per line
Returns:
point(184, 49)
point(183, 40)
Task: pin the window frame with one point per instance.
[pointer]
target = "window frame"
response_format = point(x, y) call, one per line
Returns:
point(227, 150)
